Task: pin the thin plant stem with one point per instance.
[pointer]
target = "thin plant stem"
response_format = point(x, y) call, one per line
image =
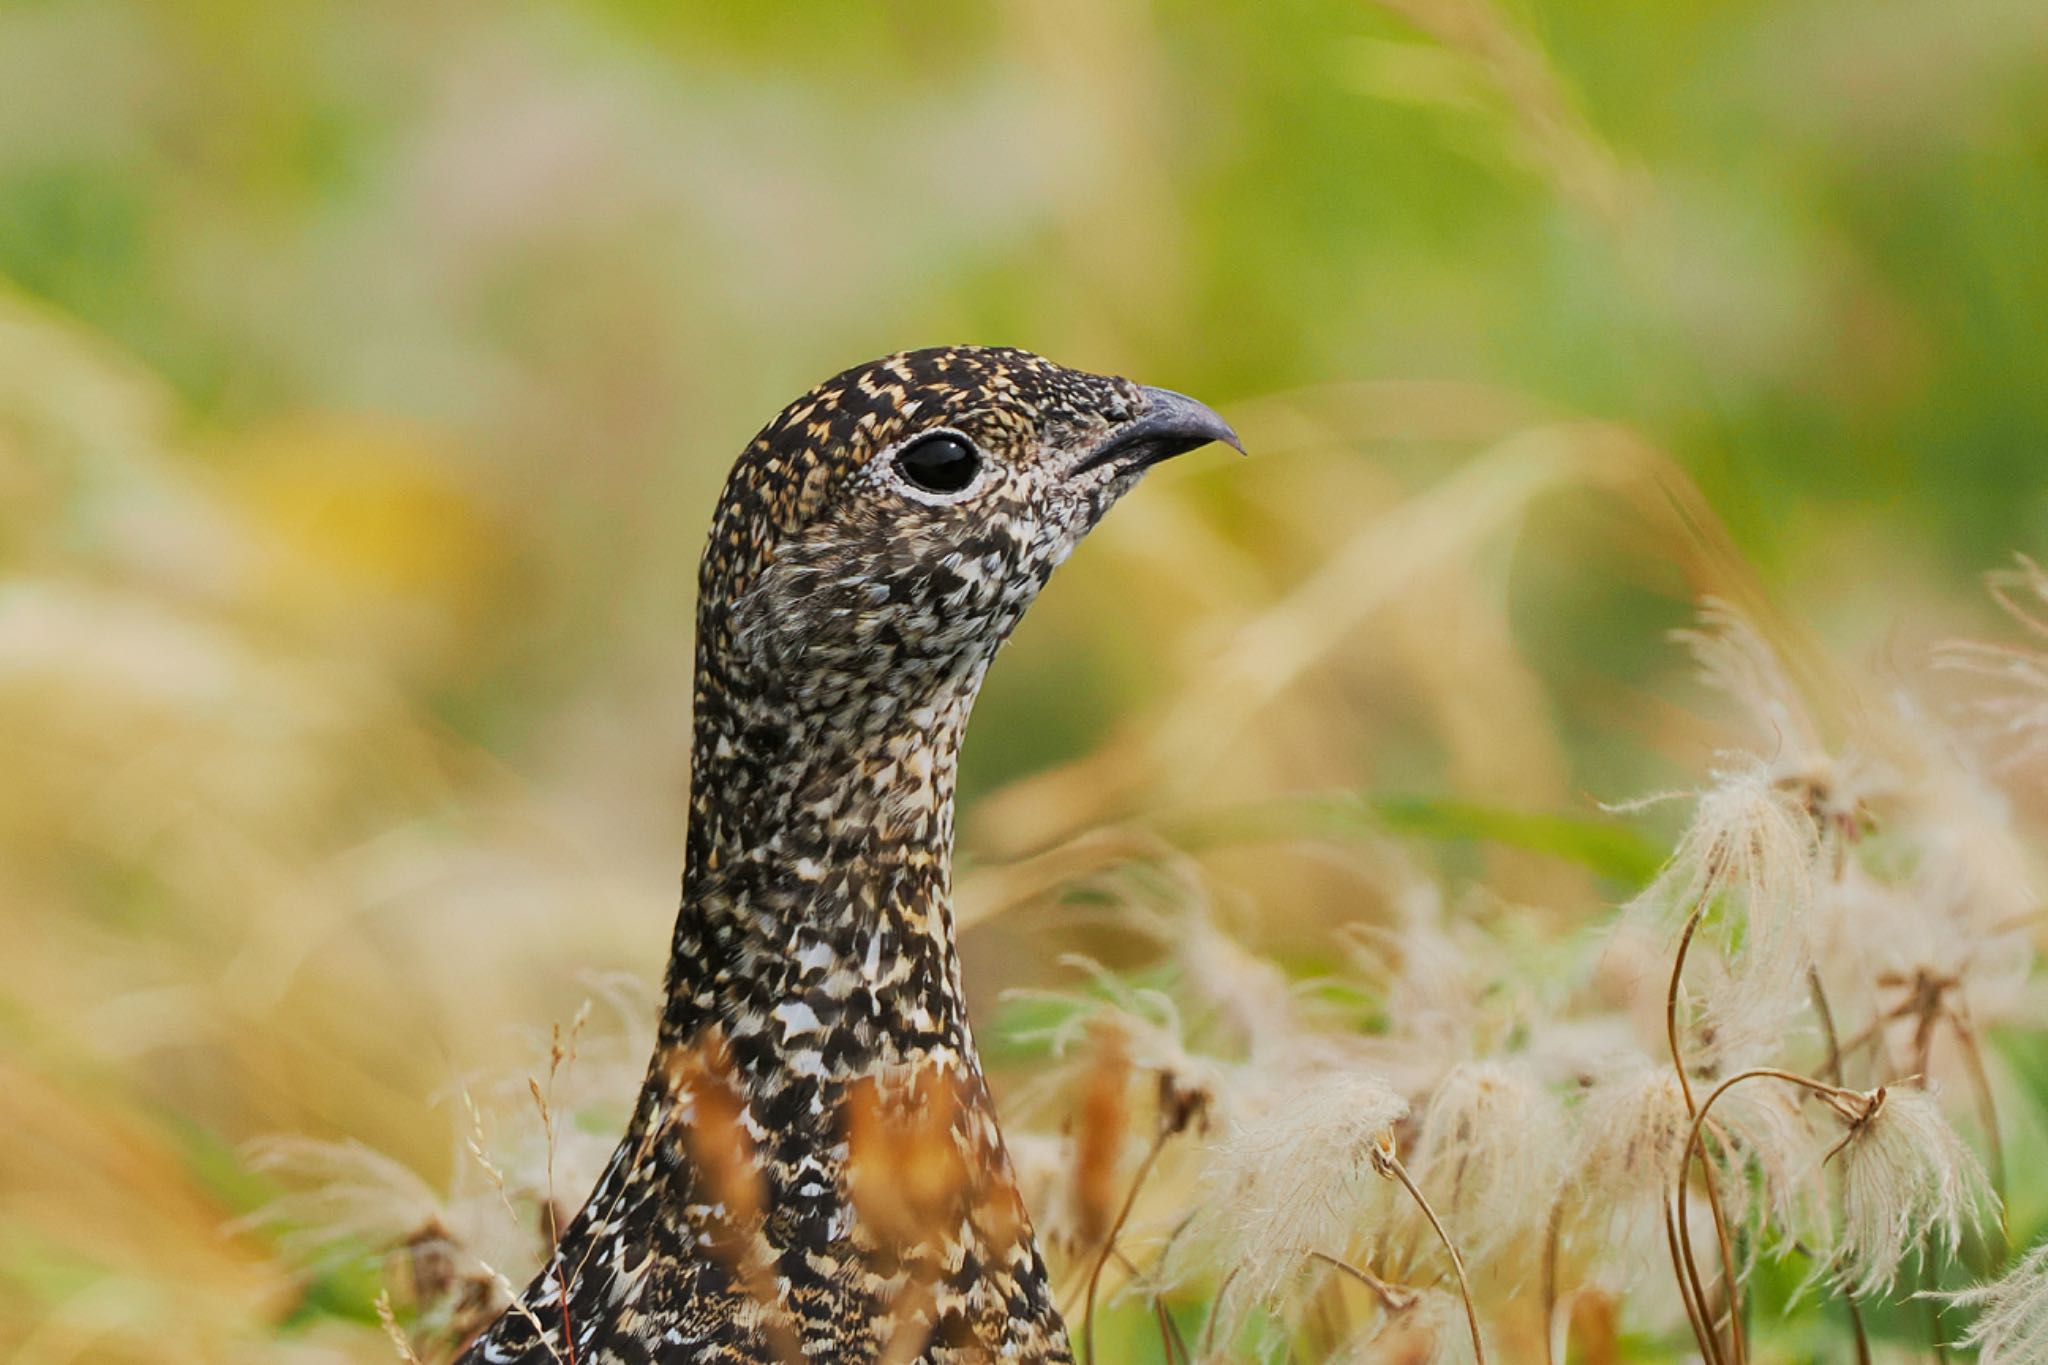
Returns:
point(1832, 1069)
point(542, 1333)
point(1393, 1298)
point(1392, 1165)
point(1696, 1281)
point(1692, 926)
point(1688, 1289)
point(496, 1176)
point(1169, 1330)
point(1856, 1326)
point(1936, 1335)
point(1852, 1107)
point(547, 1121)
point(1689, 1285)
point(1168, 1335)
point(1553, 1234)
point(387, 1318)
point(1736, 1333)
point(1109, 1243)
point(1826, 1014)
point(1216, 1311)
point(1987, 1114)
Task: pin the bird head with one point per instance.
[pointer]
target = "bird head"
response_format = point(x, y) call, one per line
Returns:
point(883, 535)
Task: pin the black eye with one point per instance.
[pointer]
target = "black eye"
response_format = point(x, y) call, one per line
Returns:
point(939, 463)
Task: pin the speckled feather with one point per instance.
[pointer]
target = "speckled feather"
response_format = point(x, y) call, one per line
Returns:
point(845, 620)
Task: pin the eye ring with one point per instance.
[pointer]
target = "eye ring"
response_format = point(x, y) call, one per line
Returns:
point(938, 464)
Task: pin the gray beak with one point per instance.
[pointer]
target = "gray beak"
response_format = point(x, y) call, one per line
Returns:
point(1172, 424)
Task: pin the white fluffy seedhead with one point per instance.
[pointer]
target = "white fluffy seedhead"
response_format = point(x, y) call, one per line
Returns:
point(1735, 660)
point(1749, 862)
point(1428, 1329)
point(2013, 715)
point(2011, 1325)
point(343, 1196)
point(1294, 1178)
point(1631, 1126)
point(1908, 1182)
point(1769, 1148)
point(1491, 1156)
point(1438, 977)
point(1834, 783)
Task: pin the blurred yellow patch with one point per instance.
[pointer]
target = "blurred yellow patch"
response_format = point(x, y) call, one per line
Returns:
point(367, 515)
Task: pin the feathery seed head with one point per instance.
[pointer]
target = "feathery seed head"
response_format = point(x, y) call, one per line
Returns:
point(1631, 1127)
point(2014, 713)
point(1750, 857)
point(1301, 1176)
point(1908, 1181)
point(1491, 1154)
point(2011, 1327)
point(1425, 1327)
point(1736, 660)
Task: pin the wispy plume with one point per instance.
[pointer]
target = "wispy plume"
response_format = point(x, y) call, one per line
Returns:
point(1492, 1155)
point(1908, 1183)
point(1296, 1179)
point(1744, 873)
point(2010, 1326)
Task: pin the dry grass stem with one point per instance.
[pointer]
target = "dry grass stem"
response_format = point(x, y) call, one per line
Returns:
point(1730, 1287)
point(1388, 1163)
point(387, 1318)
point(1109, 1237)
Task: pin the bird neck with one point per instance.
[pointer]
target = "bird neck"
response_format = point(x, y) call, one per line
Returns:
point(816, 932)
point(814, 969)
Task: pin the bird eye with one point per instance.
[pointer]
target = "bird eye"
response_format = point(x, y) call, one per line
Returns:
point(940, 462)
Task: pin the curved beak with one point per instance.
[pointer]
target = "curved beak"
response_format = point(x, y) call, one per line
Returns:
point(1172, 424)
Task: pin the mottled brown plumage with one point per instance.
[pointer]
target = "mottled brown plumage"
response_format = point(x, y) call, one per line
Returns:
point(813, 1170)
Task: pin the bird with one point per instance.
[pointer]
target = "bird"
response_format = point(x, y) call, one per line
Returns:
point(813, 1170)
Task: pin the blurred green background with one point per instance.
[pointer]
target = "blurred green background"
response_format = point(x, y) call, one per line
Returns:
point(367, 373)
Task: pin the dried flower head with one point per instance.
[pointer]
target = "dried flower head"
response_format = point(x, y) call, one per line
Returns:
point(711, 1113)
point(1102, 1123)
point(1631, 1126)
point(2014, 716)
point(908, 1173)
point(1907, 1181)
point(1762, 1131)
point(2011, 1326)
point(1437, 973)
point(341, 1192)
point(1298, 1177)
point(345, 1202)
point(1148, 1030)
point(1250, 992)
point(1491, 1155)
point(1734, 659)
point(1747, 867)
point(1422, 1327)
